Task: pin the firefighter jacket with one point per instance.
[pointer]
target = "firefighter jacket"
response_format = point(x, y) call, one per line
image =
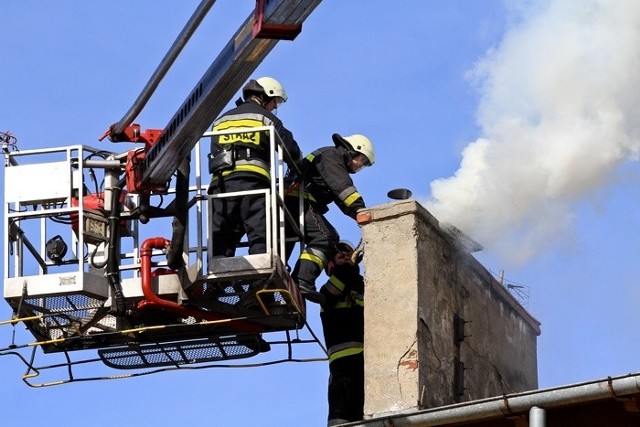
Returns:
point(247, 153)
point(343, 313)
point(327, 179)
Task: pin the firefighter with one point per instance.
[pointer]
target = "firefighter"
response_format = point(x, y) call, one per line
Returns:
point(342, 317)
point(326, 176)
point(241, 162)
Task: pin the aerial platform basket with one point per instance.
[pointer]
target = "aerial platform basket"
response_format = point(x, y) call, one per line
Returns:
point(55, 278)
point(68, 218)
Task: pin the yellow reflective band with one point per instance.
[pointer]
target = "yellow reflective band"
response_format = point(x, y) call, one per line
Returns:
point(240, 123)
point(313, 258)
point(310, 157)
point(344, 353)
point(296, 193)
point(337, 283)
point(248, 168)
point(244, 137)
point(332, 288)
point(352, 198)
point(343, 304)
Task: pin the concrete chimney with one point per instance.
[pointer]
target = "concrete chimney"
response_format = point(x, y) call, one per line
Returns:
point(439, 328)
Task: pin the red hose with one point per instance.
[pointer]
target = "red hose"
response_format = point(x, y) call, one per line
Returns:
point(154, 301)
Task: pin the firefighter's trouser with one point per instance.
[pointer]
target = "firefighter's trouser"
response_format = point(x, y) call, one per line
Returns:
point(346, 389)
point(232, 217)
point(320, 238)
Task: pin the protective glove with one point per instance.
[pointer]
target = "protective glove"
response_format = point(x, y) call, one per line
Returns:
point(357, 255)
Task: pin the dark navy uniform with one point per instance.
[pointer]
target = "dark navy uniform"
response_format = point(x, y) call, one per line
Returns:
point(240, 162)
point(342, 318)
point(327, 180)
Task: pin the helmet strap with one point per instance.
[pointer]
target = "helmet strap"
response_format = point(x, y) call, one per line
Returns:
point(258, 99)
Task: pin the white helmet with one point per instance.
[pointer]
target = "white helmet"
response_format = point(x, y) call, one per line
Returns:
point(362, 144)
point(267, 86)
point(345, 246)
point(272, 88)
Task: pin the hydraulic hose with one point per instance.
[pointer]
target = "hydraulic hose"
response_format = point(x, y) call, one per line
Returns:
point(164, 66)
point(151, 299)
point(176, 249)
point(113, 268)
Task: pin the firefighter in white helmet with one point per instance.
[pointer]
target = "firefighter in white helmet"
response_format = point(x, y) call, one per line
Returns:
point(241, 162)
point(327, 179)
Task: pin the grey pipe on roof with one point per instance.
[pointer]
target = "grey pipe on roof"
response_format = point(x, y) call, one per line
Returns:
point(537, 417)
point(508, 405)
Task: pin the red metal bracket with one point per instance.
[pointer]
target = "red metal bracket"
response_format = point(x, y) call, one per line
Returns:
point(133, 174)
point(263, 30)
point(132, 133)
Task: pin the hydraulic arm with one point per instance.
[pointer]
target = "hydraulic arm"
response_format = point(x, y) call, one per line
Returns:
point(271, 21)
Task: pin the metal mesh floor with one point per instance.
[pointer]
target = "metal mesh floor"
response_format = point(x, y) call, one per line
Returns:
point(173, 354)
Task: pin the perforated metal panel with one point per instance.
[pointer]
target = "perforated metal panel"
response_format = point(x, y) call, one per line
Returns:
point(199, 351)
point(65, 316)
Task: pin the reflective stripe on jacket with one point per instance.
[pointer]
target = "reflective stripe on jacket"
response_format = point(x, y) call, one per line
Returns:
point(327, 179)
point(252, 147)
point(343, 313)
point(339, 351)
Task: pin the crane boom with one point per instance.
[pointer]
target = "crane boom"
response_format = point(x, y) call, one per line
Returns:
point(233, 66)
point(164, 66)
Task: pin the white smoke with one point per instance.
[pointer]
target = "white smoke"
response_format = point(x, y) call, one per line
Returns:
point(559, 111)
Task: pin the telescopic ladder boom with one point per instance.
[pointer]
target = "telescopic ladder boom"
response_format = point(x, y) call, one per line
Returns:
point(271, 21)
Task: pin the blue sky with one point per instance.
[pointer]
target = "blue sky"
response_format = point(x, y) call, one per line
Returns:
point(515, 122)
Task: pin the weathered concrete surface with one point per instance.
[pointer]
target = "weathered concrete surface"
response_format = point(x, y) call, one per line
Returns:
point(418, 279)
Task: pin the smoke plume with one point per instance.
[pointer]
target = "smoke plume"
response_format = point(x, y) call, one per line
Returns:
point(559, 112)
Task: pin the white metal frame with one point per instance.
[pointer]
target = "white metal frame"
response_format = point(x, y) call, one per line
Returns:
point(59, 202)
point(274, 198)
point(44, 283)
